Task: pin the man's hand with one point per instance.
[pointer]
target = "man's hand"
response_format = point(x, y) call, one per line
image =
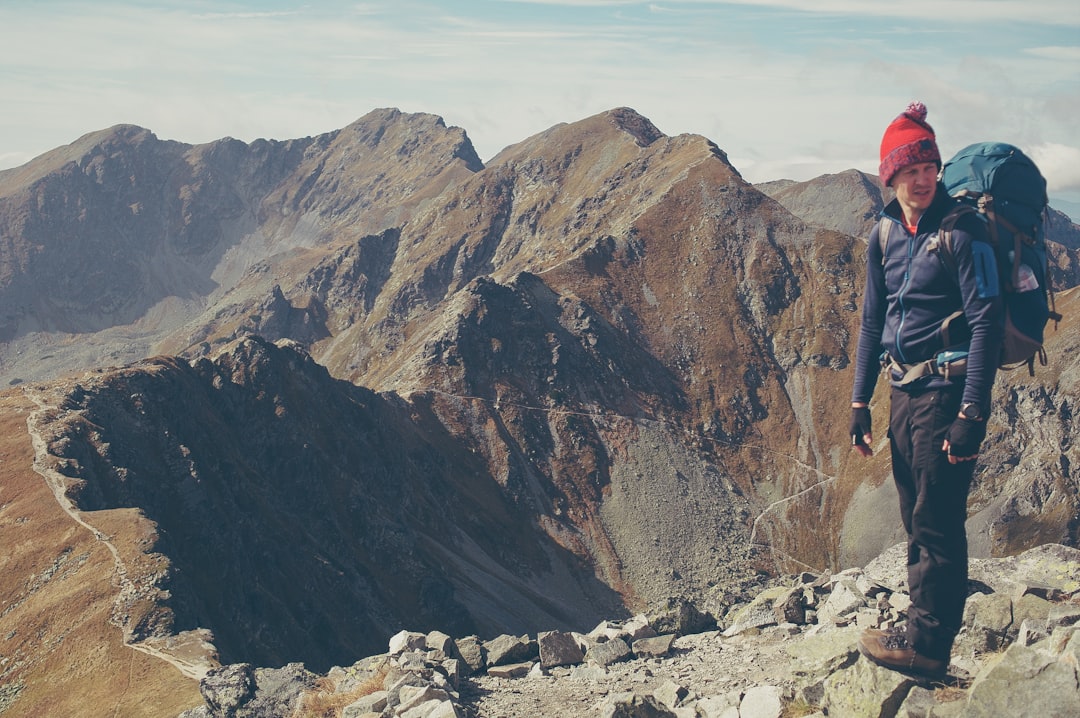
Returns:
point(861, 436)
point(963, 439)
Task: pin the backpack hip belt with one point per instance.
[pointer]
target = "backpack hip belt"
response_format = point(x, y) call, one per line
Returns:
point(946, 364)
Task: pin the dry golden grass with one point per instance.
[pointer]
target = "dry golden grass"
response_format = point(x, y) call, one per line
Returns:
point(797, 709)
point(325, 702)
point(57, 589)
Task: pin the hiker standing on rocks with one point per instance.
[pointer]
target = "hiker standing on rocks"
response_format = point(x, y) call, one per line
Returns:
point(938, 409)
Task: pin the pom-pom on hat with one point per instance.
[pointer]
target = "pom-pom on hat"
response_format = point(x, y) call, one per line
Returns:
point(908, 139)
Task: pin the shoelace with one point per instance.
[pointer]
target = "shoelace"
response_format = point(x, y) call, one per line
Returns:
point(896, 642)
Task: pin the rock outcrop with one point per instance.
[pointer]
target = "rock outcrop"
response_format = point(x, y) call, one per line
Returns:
point(1017, 654)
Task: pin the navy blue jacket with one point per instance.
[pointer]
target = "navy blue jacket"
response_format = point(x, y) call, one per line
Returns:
point(910, 294)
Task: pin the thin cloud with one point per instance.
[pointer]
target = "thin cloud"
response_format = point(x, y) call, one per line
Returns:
point(245, 15)
point(786, 89)
point(973, 12)
point(1060, 166)
point(1064, 54)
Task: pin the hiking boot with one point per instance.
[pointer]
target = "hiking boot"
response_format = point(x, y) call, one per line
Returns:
point(892, 651)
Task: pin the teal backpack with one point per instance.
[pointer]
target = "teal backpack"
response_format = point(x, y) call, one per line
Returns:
point(1002, 186)
point(1005, 188)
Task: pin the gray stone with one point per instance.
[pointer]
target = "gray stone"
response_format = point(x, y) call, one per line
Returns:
point(1047, 565)
point(844, 599)
point(413, 696)
point(510, 670)
point(591, 673)
point(865, 689)
point(439, 641)
point(1039, 590)
point(559, 649)
point(446, 709)
point(371, 703)
point(899, 601)
point(453, 669)
point(604, 654)
point(439, 681)
point(926, 703)
point(671, 694)
point(756, 614)
point(280, 689)
point(403, 684)
point(227, 688)
point(718, 707)
point(1070, 653)
point(510, 649)
point(762, 702)
point(790, 607)
point(585, 642)
point(1062, 615)
point(654, 647)
point(407, 641)
point(1030, 609)
point(364, 671)
point(1031, 632)
point(197, 712)
point(817, 657)
point(414, 661)
point(605, 631)
point(680, 616)
point(637, 628)
point(429, 709)
point(1065, 642)
point(987, 619)
point(471, 651)
point(1025, 681)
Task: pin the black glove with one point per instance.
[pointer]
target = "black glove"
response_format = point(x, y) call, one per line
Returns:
point(964, 437)
point(860, 425)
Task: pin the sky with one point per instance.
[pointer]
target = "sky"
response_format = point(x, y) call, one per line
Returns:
point(787, 88)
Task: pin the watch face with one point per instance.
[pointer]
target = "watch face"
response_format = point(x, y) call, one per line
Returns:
point(971, 411)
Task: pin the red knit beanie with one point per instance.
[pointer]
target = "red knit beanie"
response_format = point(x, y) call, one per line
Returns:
point(908, 140)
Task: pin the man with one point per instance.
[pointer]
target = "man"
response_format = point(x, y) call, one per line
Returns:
point(938, 412)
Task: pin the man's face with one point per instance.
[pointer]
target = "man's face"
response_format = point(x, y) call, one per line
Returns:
point(915, 186)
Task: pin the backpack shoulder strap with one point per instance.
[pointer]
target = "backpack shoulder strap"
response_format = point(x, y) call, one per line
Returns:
point(948, 223)
point(945, 251)
point(885, 228)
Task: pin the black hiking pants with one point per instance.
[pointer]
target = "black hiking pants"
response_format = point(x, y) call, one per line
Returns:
point(933, 507)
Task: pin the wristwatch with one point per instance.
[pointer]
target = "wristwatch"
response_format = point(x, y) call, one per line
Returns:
point(972, 411)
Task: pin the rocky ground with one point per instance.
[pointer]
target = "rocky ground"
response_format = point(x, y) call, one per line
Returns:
point(788, 652)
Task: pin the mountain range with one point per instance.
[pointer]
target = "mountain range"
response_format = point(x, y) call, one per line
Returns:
point(273, 402)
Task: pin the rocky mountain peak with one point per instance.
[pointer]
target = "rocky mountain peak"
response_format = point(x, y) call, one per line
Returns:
point(393, 131)
point(100, 144)
point(820, 200)
point(636, 125)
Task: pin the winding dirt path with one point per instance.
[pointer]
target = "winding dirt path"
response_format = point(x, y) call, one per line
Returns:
point(194, 668)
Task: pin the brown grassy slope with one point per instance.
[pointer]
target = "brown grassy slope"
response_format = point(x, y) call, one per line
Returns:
point(61, 655)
